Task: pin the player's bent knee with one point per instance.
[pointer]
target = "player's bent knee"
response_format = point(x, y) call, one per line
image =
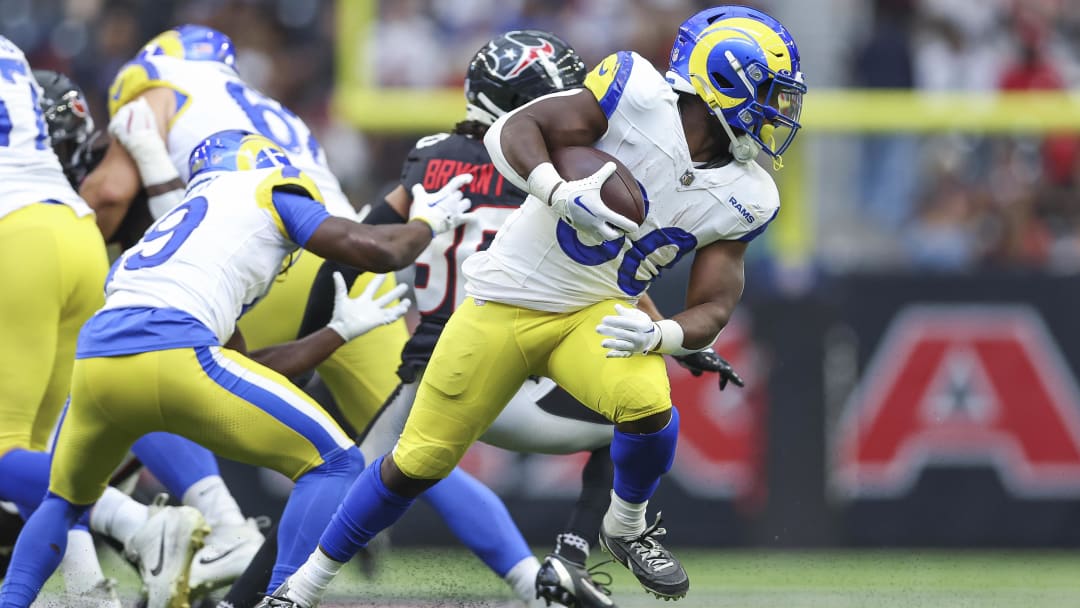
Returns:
point(632, 398)
point(426, 461)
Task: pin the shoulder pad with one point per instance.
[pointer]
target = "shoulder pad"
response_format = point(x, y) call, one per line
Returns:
point(430, 140)
point(608, 79)
point(288, 178)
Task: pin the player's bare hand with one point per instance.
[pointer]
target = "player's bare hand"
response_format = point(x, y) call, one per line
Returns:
point(354, 317)
point(443, 209)
point(709, 361)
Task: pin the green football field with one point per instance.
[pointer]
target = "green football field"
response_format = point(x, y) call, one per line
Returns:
point(744, 579)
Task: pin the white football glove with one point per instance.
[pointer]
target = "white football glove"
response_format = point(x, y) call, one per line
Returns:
point(354, 317)
point(629, 332)
point(135, 127)
point(579, 203)
point(444, 209)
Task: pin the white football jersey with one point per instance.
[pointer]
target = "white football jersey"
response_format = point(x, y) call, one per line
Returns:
point(211, 97)
point(29, 169)
point(217, 253)
point(538, 261)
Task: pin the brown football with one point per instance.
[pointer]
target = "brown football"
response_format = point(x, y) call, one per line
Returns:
point(620, 192)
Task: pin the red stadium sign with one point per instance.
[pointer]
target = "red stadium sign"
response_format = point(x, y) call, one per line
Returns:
point(962, 386)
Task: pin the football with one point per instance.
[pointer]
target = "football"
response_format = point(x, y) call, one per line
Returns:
point(621, 192)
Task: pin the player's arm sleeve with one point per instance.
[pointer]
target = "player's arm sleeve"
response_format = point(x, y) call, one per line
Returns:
point(300, 215)
point(135, 78)
point(748, 214)
point(383, 213)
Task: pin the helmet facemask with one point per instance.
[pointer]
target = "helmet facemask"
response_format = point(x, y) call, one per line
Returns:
point(745, 66)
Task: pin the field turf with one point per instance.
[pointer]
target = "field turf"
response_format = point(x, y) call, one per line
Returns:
point(412, 577)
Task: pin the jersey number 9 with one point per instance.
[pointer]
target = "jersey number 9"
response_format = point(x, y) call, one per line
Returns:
point(175, 227)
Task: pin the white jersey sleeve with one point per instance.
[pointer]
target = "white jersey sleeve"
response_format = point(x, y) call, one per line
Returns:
point(211, 97)
point(29, 169)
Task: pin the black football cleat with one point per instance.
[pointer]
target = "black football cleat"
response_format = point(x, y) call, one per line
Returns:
point(569, 583)
point(654, 566)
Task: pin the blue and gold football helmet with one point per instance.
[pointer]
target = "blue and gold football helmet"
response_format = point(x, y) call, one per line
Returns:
point(745, 65)
point(193, 43)
point(236, 150)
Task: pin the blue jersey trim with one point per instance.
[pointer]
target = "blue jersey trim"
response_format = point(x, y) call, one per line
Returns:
point(756, 232)
point(300, 214)
point(128, 331)
point(611, 98)
point(269, 402)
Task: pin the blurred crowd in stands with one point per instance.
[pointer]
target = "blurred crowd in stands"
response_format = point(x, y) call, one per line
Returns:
point(946, 202)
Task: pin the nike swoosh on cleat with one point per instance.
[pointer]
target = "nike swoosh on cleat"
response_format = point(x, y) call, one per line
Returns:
point(156, 570)
point(577, 201)
point(603, 70)
point(204, 560)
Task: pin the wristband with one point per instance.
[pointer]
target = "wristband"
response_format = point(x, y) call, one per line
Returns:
point(426, 222)
point(543, 180)
point(671, 339)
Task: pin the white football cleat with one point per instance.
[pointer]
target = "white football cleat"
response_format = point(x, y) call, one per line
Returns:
point(226, 553)
point(163, 548)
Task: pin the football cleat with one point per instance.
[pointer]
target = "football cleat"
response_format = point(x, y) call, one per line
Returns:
point(658, 571)
point(279, 599)
point(226, 553)
point(569, 583)
point(163, 548)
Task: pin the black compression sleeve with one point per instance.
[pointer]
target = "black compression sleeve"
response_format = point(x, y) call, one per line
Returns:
point(383, 213)
point(592, 503)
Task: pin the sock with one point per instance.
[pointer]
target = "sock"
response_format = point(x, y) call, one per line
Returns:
point(312, 578)
point(118, 515)
point(24, 478)
point(522, 578)
point(211, 497)
point(369, 508)
point(583, 528)
point(624, 519)
point(247, 591)
point(641, 460)
point(80, 567)
point(38, 551)
point(479, 519)
point(572, 546)
point(177, 462)
point(312, 503)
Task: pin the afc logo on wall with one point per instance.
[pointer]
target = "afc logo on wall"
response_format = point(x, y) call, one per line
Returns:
point(961, 385)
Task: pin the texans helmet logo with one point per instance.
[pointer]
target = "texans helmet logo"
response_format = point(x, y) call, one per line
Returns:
point(78, 107)
point(528, 55)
